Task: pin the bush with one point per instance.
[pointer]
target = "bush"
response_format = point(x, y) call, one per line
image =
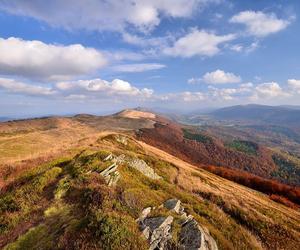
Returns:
point(283, 201)
point(258, 183)
point(48, 177)
point(113, 231)
point(8, 204)
point(36, 238)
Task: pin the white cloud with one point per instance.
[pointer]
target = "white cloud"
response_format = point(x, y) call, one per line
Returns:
point(103, 15)
point(194, 80)
point(18, 87)
point(36, 59)
point(95, 89)
point(225, 94)
point(147, 41)
point(245, 48)
point(294, 85)
point(122, 55)
point(132, 68)
point(237, 47)
point(102, 88)
point(246, 86)
point(270, 90)
point(260, 24)
point(220, 77)
point(198, 43)
point(185, 96)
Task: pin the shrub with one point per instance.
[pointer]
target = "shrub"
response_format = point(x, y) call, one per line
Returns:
point(257, 183)
point(113, 231)
point(48, 177)
point(62, 187)
point(36, 238)
point(283, 200)
point(8, 204)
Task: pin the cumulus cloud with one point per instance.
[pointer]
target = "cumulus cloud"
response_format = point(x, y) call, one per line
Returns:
point(13, 86)
point(36, 59)
point(270, 90)
point(103, 15)
point(102, 88)
point(94, 89)
point(221, 77)
point(260, 24)
point(141, 67)
point(198, 43)
point(294, 85)
point(225, 94)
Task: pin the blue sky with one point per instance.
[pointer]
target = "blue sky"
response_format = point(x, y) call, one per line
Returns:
point(97, 56)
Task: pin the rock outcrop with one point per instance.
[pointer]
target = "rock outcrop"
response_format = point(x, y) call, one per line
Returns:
point(111, 175)
point(158, 230)
point(139, 165)
point(121, 139)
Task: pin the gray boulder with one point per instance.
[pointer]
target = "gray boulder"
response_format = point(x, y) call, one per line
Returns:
point(194, 237)
point(158, 231)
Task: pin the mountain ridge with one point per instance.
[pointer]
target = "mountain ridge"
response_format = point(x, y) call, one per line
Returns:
point(90, 180)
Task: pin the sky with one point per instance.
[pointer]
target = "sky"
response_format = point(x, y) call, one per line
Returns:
point(98, 56)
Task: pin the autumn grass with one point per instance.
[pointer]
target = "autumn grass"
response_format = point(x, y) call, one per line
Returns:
point(66, 204)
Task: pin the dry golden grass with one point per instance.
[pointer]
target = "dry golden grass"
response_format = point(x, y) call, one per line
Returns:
point(193, 178)
point(135, 114)
point(218, 197)
point(26, 144)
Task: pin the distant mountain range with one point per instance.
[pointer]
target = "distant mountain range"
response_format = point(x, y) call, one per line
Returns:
point(253, 114)
point(2, 119)
point(260, 113)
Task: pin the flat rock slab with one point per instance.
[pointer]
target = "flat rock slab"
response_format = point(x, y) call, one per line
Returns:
point(158, 222)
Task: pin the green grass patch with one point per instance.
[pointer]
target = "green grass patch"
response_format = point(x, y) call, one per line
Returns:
point(247, 147)
point(196, 136)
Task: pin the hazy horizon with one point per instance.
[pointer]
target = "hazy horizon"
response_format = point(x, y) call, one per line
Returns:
point(166, 111)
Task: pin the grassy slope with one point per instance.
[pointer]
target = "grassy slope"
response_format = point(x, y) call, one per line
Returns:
point(71, 207)
point(27, 143)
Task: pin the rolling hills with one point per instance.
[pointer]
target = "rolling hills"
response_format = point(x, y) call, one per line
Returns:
point(55, 195)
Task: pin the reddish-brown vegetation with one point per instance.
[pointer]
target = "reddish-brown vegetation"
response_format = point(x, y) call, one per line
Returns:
point(284, 201)
point(270, 187)
point(169, 137)
point(214, 157)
